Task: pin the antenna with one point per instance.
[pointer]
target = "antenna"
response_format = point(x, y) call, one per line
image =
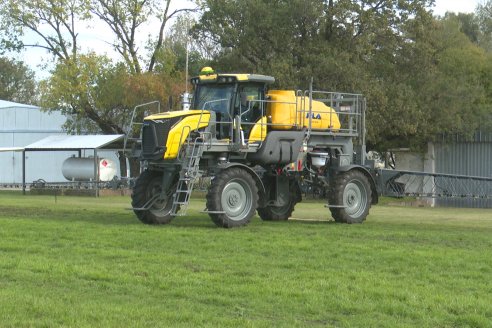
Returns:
point(187, 53)
point(186, 96)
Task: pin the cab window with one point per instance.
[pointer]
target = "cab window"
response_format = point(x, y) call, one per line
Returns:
point(249, 102)
point(214, 97)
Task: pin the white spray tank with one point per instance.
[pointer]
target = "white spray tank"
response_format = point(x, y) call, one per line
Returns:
point(82, 169)
point(186, 101)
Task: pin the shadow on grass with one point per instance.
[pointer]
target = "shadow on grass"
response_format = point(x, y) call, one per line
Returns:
point(311, 221)
point(96, 216)
point(128, 218)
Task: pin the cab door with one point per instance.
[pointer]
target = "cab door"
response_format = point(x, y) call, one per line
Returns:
point(249, 105)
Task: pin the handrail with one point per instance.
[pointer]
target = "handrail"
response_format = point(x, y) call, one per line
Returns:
point(130, 126)
point(349, 108)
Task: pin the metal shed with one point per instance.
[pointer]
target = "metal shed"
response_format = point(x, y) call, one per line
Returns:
point(74, 143)
point(454, 155)
point(22, 125)
point(471, 156)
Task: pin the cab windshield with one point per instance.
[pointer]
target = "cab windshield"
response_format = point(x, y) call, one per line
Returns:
point(214, 97)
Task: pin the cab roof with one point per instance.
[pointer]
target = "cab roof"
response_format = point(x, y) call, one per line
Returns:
point(229, 78)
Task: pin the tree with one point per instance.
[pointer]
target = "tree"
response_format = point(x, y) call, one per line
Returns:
point(17, 82)
point(125, 17)
point(179, 41)
point(97, 95)
point(484, 17)
point(356, 46)
point(95, 92)
point(53, 22)
point(57, 25)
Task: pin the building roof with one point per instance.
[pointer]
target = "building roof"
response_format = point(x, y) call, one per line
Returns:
point(2, 149)
point(64, 142)
point(10, 104)
point(75, 142)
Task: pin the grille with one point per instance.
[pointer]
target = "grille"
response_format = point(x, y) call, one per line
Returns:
point(154, 137)
point(148, 142)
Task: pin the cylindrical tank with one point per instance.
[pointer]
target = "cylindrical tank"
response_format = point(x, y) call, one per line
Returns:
point(318, 158)
point(82, 169)
point(186, 101)
point(287, 110)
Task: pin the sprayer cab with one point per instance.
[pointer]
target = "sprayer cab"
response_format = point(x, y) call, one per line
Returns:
point(248, 96)
point(230, 96)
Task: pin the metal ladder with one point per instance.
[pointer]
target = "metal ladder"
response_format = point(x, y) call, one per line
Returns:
point(187, 176)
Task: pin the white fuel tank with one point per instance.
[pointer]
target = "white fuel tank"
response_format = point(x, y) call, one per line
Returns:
point(82, 169)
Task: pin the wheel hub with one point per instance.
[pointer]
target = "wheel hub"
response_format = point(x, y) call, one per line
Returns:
point(351, 200)
point(354, 198)
point(233, 199)
point(236, 200)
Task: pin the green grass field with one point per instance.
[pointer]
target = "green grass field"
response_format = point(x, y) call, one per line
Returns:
point(87, 262)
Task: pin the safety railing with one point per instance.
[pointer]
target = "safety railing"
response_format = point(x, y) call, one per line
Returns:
point(435, 185)
point(136, 119)
point(349, 109)
point(346, 108)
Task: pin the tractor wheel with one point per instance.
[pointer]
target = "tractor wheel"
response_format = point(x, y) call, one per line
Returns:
point(147, 186)
point(350, 196)
point(282, 213)
point(232, 198)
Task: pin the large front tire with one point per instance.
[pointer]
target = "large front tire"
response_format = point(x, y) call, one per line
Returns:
point(232, 198)
point(350, 197)
point(147, 186)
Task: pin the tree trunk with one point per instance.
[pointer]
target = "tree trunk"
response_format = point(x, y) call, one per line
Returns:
point(134, 166)
point(122, 160)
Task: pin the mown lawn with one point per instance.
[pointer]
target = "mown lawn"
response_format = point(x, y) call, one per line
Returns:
point(86, 262)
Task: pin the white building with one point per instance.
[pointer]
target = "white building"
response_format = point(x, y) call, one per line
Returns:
point(22, 125)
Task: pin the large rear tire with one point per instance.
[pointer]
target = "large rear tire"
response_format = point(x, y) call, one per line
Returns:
point(232, 198)
point(147, 186)
point(350, 197)
point(282, 213)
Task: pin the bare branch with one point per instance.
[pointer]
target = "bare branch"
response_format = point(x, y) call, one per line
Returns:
point(160, 38)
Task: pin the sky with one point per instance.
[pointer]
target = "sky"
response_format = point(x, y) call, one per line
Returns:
point(464, 6)
point(97, 38)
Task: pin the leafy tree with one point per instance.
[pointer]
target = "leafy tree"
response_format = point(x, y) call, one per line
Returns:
point(97, 93)
point(484, 17)
point(57, 24)
point(17, 82)
point(53, 22)
point(125, 17)
point(179, 42)
point(356, 46)
point(468, 25)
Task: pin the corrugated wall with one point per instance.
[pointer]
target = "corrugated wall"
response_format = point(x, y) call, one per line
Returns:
point(465, 158)
point(21, 126)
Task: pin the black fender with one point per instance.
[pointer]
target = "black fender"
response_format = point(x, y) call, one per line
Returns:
point(256, 177)
point(368, 173)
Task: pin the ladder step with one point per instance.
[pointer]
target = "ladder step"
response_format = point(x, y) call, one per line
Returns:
point(213, 212)
point(335, 206)
point(137, 209)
